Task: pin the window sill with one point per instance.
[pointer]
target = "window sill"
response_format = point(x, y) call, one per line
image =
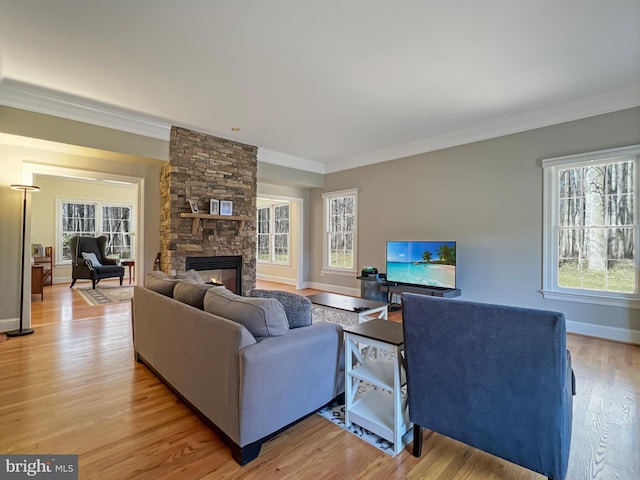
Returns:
point(593, 298)
point(266, 263)
point(331, 271)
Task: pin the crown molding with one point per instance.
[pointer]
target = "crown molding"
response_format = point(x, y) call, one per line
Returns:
point(620, 100)
point(291, 161)
point(32, 98)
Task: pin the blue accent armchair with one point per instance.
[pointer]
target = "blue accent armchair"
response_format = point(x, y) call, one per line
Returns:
point(495, 377)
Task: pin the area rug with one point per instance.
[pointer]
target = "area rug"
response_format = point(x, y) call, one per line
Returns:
point(105, 295)
point(335, 414)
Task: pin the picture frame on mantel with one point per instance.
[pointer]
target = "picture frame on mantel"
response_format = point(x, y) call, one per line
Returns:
point(226, 207)
point(214, 207)
point(194, 206)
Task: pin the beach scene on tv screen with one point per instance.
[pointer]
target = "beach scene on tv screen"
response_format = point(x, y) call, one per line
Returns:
point(422, 263)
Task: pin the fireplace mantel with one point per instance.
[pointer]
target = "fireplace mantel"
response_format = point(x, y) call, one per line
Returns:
point(196, 217)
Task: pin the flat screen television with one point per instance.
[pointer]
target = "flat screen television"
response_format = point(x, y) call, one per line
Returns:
point(422, 263)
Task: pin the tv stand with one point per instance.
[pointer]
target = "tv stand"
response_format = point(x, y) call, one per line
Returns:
point(377, 288)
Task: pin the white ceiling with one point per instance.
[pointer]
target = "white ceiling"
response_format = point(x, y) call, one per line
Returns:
point(332, 84)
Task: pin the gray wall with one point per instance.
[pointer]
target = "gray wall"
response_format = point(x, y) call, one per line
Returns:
point(487, 196)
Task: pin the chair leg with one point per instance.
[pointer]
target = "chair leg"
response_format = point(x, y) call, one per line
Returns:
point(121, 280)
point(93, 283)
point(73, 282)
point(417, 440)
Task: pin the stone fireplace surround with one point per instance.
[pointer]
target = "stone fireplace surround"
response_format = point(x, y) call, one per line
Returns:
point(203, 167)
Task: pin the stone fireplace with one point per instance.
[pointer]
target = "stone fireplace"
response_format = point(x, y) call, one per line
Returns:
point(201, 168)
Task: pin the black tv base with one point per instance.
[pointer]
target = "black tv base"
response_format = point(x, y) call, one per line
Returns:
point(396, 288)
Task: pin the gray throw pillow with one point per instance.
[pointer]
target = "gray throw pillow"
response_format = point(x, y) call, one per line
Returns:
point(191, 293)
point(192, 275)
point(159, 282)
point(297, 307)
point(92, 258)
point(263, 317)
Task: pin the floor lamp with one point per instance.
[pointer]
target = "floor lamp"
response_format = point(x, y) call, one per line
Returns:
point(24, 188)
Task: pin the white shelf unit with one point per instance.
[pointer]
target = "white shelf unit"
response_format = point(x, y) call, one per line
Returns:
point(382, 409)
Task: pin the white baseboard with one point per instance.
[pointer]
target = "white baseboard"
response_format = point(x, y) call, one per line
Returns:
point(601, 331)
point(273, 278)
point(7, 324)
point(354, 292)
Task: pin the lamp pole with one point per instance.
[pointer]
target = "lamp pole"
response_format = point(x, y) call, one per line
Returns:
point(24, 188)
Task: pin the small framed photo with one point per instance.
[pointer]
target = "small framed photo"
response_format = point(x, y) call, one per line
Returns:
point(36, 250)
point(214, 207)
point(194, 206)
point(226, 207)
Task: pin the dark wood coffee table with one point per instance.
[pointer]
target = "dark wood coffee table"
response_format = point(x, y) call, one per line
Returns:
point(348, 310)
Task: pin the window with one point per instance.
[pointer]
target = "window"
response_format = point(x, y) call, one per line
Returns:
point(116, 225)
point(93, 219)
point(281, 233)
point(273, 233)
point(591, 229)
point(264, 238)
point(76, 218)
point(340, 225)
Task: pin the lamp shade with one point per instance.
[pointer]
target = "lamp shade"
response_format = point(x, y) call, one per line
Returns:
point(25, 188)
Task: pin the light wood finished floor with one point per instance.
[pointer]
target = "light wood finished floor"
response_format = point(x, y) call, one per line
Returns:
point(73, 387)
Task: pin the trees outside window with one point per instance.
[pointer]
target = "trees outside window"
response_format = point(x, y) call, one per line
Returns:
point(117, 226)
point(591, 230)
point(76, 218)
point(340, 222)
point(273, 227)
point(93, 219)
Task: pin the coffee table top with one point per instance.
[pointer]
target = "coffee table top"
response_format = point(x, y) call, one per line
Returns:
point(343, 302)
point(383, 330)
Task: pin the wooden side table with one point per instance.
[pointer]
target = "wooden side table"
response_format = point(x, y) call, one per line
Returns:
point(381, 409)
point(37, 281)
point(132, 265)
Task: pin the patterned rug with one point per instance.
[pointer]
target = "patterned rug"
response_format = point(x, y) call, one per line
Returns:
point(105, 295)
point(335, 414)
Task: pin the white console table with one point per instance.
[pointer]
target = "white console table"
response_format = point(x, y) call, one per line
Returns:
point(382, 409)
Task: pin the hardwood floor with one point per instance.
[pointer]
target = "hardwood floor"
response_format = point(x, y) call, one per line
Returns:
point(73, 387)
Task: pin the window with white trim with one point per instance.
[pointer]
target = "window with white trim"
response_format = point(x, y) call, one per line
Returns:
point(591, 227)
point(76, 218)
point(264, 234)
point(274, 233)
point(91, 219)
point(117, 225)
point(340, 230)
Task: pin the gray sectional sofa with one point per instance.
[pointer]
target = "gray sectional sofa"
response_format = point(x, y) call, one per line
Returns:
point(237, 361)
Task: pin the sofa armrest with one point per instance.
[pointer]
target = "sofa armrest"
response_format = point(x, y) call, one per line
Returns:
point(287, 377)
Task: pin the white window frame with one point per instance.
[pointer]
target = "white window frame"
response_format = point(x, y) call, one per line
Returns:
point(99, 222)
point(60, 260)
point(551, 184)
point(131, 223)
point(272, 241)
point(267, 235)
point(272, 234)
point(327, 197)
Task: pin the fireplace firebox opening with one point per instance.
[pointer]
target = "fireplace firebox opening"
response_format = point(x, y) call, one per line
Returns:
point(225, 270)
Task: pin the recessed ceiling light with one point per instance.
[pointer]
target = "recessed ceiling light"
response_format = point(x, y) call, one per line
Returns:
point(235, 129)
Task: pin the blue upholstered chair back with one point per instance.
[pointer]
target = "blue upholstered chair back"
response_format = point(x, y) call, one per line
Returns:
point(494, 377)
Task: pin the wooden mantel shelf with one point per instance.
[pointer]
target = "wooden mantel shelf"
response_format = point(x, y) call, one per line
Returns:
point(196, 217)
